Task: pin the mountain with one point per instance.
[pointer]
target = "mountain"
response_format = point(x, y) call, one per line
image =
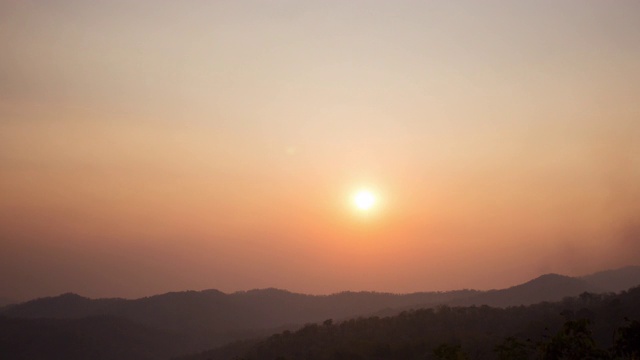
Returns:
point(549, 287)
point(575, 328)
point(210, 317)
point(615, 280)
point(199, 320)
point(64, 306)
point(86, 338)
point(555, 287)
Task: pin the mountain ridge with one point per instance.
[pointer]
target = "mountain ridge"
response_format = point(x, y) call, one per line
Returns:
point(212, 317)
point(616, 273)
point(577, 327)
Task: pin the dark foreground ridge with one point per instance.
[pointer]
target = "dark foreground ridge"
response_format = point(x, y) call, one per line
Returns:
point(586, 327)
point(171, 324)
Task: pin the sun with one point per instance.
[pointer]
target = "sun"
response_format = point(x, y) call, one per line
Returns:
point(364, 200)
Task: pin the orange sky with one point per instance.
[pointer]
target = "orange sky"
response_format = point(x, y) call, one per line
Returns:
point(153, 146)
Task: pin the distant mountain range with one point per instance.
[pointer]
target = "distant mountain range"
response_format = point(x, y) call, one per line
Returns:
point(211, 317)
point(198, 320)
point(614, 280)
point(590, 326)
point(550, 287)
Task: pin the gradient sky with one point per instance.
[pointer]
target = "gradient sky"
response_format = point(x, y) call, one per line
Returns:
point(151, 146)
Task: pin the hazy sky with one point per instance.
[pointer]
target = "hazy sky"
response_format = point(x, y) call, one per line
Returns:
point(150, 146)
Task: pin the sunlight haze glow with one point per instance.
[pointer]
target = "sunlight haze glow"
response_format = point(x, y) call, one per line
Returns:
point(152, 146)
point(364, 200)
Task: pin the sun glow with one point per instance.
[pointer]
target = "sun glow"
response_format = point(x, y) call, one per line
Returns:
point(364, 200)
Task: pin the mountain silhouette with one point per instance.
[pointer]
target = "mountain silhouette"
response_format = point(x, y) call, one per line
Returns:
point(211, 317)
point(615, 280)
point(199, 320)
point(549, 287)
point(574, 328)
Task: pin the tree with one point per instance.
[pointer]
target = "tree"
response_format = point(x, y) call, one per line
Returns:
point(512, 349)
point(449, 352)
point(573, 342)
point(627, 344)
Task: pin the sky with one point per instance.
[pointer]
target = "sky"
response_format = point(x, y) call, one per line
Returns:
point(153, 146)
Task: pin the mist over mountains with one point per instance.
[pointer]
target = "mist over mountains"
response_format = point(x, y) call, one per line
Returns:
point(193, 321)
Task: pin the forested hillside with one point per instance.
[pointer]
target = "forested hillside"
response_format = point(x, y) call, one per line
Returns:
point(173, 324)
point(586, 327)
point(211, 318)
